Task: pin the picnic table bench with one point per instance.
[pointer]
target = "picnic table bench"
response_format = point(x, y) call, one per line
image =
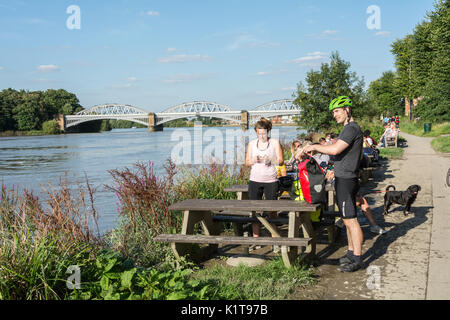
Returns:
point(202, 211)
point(392, 140)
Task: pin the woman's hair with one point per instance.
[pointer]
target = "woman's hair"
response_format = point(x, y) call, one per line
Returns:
point(263, 123)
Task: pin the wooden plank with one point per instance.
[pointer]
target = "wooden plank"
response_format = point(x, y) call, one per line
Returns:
point(179, 238)
point(244, 188)
point(226, 218)
point(243, 205)
point(237, 188)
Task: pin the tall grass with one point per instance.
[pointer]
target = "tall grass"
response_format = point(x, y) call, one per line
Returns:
point(39, 242)
point(145, 198)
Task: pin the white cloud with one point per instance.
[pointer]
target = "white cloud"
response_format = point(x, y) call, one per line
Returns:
point(171, 49)
point(180, 58)
point(329, 32)
point(288, 89)
point(311, 59)
point(383, 33)
point(182, 78)
point(1, 68)
point(152, 13)
point(262, 73)
point(47, 68)
point(247, 40)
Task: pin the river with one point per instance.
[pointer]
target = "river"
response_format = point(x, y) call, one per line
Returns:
point(33, 162)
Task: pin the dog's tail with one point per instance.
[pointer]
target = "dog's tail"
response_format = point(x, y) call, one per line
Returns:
point(389, 186)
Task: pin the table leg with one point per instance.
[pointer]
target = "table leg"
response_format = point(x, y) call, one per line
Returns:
point(289, 254)
point(190, 219)
point(308, 232)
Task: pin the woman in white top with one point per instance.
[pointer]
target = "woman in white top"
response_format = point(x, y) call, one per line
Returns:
point(263, 154)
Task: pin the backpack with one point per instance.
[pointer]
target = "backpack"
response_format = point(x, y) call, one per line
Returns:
point(312, 180)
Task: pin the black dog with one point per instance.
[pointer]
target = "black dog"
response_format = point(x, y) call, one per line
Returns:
point(405, 198)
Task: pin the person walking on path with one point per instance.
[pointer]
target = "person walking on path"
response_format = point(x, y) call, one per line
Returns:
point(263, 154)
point(348, 152)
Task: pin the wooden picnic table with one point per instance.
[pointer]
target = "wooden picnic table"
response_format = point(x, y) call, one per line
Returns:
point(202, 211)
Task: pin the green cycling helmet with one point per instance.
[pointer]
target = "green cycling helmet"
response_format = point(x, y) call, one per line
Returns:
point(340, 102)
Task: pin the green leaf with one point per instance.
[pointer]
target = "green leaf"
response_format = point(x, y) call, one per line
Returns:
point(104, 283)
point(177, 296)
point(127, 277)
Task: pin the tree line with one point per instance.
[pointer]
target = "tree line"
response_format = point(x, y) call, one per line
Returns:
point(29, 110)
point(422, 62)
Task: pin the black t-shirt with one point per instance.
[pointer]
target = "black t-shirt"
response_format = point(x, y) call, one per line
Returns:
point(346, 164)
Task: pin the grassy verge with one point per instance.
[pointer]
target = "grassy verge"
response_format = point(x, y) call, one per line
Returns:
point(441, 144)
point(417, 128)
point(272, 280)
point(391, 153)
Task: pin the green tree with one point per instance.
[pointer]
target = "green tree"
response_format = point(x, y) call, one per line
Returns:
point(9, 99)
point(405, 81)
point(384, 97)
point(51, 127)
point(30, 113)
point(60, 101)
point(436, 92)
point(332, 80)
point(423, 64)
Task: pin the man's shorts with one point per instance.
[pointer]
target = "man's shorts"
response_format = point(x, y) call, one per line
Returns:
point(346, 191)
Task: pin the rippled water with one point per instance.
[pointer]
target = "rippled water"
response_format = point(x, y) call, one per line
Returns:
point(32, 162)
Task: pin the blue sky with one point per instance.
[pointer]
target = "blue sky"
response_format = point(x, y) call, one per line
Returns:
point(157, 54)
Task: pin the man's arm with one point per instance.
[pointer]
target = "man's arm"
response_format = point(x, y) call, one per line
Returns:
point(332, 149)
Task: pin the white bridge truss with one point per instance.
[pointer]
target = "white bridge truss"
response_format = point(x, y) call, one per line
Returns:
point(186, 110)
point(109, 111)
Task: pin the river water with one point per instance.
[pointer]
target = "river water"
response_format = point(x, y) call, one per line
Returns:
point(33, 162)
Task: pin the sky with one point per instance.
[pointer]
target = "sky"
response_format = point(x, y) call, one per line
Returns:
point(157, 54)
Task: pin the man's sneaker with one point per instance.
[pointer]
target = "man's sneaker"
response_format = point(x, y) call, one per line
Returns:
point(340, 224)
point(377, 229)
point(350, 267)
point(345, 260)
point(254, 247)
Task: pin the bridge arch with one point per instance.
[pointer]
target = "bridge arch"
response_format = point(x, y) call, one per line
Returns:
point(108, 112)
point(111, 109)
point(198, 106)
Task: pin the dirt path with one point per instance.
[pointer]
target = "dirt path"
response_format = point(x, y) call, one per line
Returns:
point(407, 262)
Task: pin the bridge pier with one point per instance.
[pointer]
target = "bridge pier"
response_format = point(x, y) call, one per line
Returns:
point(152, 126)
point(61, 119)
point(244, 120)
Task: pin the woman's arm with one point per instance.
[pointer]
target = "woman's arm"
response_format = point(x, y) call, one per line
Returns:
point(248, 155)
point(279, 154)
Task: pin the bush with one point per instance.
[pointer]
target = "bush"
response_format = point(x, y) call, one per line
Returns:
point(114, 277)
point(51, 127)
point(209, 182)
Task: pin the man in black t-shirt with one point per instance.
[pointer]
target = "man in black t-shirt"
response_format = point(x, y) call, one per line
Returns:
point(347, 152)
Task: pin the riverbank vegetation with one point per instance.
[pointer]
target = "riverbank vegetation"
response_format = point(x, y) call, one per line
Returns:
point(45, 241)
